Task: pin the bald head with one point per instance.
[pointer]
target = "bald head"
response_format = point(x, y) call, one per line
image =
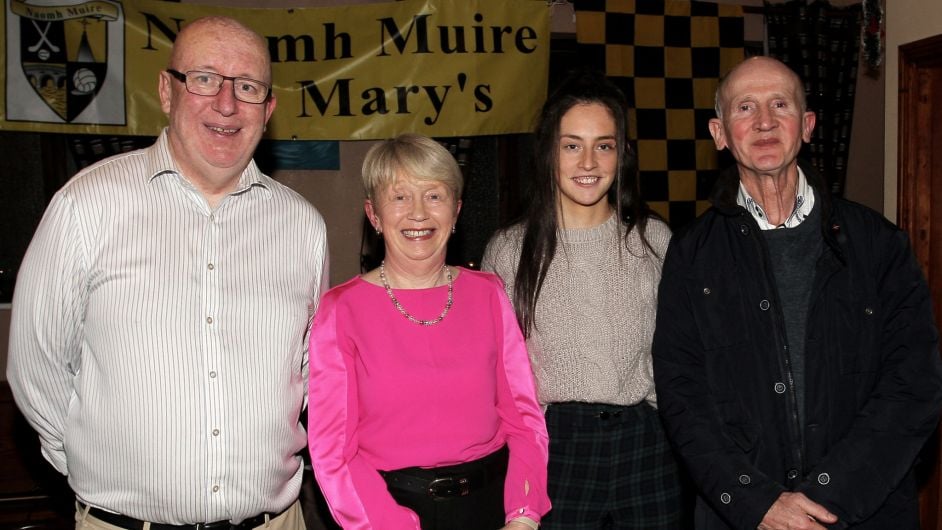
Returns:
point(759, 66)
point(225, 27)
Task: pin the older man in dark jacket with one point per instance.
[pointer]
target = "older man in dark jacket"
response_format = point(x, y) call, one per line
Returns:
point(795, 355)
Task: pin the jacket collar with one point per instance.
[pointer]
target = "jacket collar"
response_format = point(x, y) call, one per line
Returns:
point(723, 198)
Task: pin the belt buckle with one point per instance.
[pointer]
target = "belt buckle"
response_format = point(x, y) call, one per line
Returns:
point(444, 487)
point(216, 525)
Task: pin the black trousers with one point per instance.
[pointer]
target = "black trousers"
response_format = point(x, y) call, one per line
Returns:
point(482, 508)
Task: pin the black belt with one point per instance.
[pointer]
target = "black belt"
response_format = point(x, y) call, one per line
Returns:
point(450, 481)
point(602, 411)
point(131, 523)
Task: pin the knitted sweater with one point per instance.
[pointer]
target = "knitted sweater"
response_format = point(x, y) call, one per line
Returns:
point(595, 316)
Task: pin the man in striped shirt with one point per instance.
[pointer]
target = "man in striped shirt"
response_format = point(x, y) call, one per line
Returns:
point(158, 332)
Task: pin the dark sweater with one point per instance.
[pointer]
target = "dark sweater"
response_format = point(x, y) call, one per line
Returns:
point(793, 253)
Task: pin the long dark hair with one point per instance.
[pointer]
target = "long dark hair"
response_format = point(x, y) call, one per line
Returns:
point(540, 219)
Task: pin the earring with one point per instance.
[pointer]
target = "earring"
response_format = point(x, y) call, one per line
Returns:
point(453, 228)
point(379, 231)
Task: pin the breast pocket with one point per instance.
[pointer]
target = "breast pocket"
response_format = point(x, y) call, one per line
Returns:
point(718, 309)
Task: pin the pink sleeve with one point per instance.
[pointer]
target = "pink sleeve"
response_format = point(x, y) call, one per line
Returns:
point(523, 422)
point(354, 490)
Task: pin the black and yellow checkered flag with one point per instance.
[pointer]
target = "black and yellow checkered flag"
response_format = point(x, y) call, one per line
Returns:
point(667, 55)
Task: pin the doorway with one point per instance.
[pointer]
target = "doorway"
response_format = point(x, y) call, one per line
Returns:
point(920, 187)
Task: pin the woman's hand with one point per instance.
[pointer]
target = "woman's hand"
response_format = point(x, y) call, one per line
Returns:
point(516, 525)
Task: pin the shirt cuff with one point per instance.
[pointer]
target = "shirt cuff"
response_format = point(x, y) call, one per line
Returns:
point(527, 521)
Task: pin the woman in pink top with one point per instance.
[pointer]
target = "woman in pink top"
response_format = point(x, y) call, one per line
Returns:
point(422, 409)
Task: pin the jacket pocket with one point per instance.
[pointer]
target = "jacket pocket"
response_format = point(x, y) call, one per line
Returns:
point(722, 366)
point(856, 320)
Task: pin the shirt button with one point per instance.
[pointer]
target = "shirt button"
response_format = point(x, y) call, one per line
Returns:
point(745, 480)
point(764, 305)
point(779, 388)
point(215, 432)
point(706, 290)
point(212, 374)
point(210, 266)
point(868, 311)
point(521, 511)
point(744, 230)
point(792, 474)
point(725, 498)
point(823, 479)
point(209, 320)
point(215, 489)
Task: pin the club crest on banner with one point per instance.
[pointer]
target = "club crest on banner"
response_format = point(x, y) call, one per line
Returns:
point(71, 59)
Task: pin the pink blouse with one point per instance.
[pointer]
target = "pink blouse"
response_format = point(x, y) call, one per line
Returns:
point(386, 393)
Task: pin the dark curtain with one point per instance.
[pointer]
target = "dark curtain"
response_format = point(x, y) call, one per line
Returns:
point(821, 42)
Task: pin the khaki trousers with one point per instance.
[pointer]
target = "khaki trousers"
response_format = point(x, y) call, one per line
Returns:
point(290, 519)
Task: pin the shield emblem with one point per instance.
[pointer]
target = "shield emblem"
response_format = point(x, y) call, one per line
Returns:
point(65, 61)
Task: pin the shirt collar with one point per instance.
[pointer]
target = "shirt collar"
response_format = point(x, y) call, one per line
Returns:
point(160, 162)
point(804, 203)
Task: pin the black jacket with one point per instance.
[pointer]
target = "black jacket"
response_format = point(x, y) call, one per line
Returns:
point(873, 383)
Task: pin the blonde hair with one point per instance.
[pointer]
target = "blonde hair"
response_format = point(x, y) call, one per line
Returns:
point(415, 155)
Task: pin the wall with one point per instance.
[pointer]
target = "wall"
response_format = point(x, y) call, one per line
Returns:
point(864, 182)
point(906, 21)
point(339, 197)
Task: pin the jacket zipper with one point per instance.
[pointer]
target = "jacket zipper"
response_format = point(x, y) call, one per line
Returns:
point(784, 352)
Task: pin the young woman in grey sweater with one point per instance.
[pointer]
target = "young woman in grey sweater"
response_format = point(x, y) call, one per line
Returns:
point(582, 268)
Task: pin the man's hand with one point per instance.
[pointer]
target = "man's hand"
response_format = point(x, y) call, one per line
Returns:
point(794, 511)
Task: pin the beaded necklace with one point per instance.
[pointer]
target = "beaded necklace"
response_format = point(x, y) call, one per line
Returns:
point(402, 310)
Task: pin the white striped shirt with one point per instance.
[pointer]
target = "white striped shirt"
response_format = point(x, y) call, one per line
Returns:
point(158, 346)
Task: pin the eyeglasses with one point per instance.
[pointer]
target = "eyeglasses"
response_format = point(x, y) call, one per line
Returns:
point(210, 83)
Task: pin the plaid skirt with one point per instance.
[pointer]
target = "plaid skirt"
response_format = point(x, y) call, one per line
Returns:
point(611, 466)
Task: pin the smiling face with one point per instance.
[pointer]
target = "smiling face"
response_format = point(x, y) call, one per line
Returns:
point(587, 162)
point(212, 138)
point(763, 118)
point(415, 217)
